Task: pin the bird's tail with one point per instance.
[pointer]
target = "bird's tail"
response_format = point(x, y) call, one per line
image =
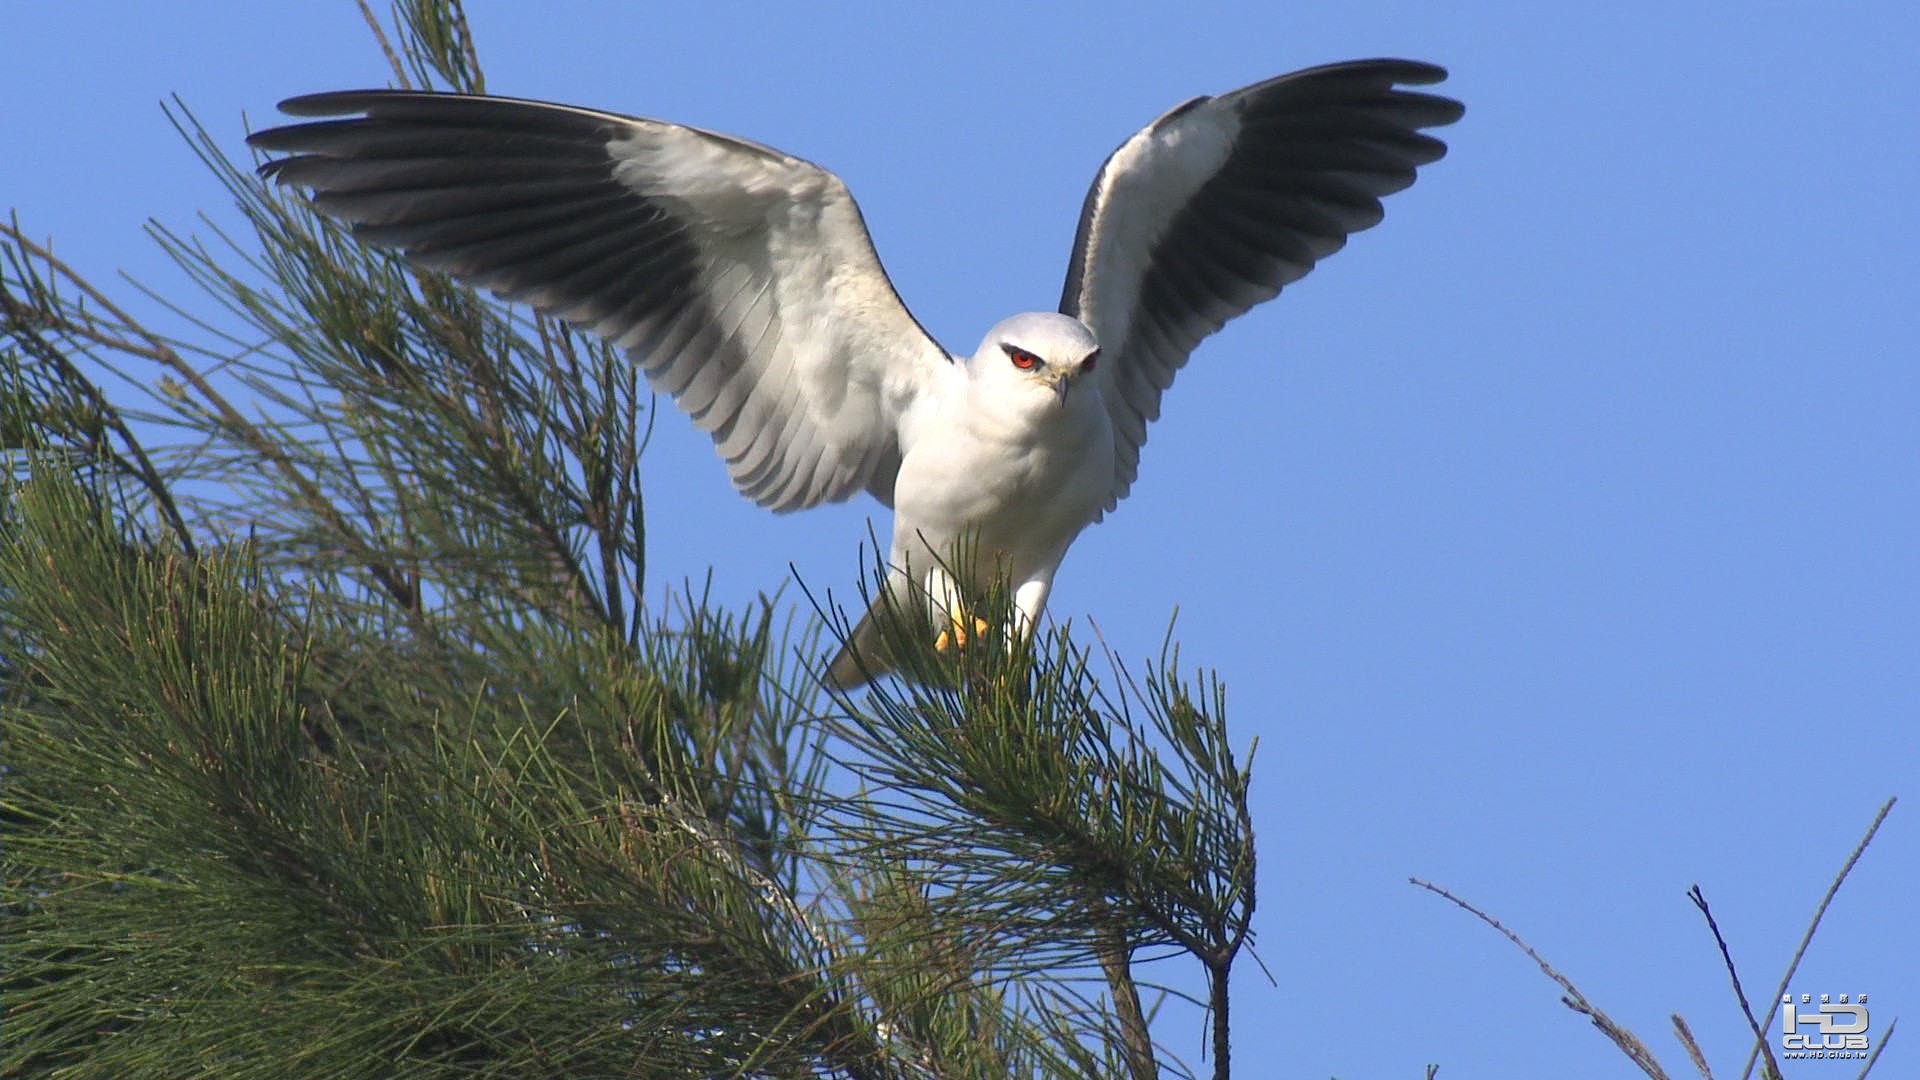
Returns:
point(863, 657)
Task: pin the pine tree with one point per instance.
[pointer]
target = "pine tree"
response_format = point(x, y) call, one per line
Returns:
point(338, 740)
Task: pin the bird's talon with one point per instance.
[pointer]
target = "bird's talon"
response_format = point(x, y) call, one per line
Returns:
point(957, 635)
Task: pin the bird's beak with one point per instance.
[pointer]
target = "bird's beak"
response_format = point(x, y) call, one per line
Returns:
point(1060, 380)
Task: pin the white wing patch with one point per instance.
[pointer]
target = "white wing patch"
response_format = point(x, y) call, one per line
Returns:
point(1154, 173)
point(740, 279)
point(1219, 203)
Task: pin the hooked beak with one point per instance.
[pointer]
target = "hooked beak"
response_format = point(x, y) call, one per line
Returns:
point(1060, 380)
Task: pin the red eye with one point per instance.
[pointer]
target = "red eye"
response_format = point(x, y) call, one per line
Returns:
point(1021, 358)
point(1092, 359)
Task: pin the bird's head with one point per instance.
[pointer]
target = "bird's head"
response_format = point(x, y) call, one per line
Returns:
point(1037, 358)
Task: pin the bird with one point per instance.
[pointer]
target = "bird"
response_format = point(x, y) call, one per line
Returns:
point(742, 281)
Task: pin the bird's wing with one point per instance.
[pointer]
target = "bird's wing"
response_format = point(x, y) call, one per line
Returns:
point(1213, 207)
point(741, 279)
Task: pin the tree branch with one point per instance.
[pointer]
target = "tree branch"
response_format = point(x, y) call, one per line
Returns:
point(158, 350)
point(1116, 962)
point(1818, 914)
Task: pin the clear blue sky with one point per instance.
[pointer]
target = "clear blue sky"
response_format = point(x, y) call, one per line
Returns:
point(1559, 539)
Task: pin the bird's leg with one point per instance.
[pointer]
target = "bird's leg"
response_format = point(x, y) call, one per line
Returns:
point(961, 626)
point(1029, 600)
point(956, 634)
point(946, 600)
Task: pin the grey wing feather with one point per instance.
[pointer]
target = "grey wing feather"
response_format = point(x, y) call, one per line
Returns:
point(741, 280)
point(1216, 205)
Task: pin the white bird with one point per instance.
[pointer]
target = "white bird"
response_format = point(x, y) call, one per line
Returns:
point(743, 282)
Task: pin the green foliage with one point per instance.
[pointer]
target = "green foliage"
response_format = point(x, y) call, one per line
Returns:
point(338, 740)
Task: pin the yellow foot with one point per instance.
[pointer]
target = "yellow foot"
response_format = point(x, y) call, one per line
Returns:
point(955, 637)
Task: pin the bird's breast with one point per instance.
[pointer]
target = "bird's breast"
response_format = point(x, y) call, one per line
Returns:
point(1021, 492)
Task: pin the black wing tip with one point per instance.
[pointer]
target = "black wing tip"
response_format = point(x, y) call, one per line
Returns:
point(329, 104)
point(1402, 71)
point(343, 102)
point(285, 137)
point(335, 110)
point(1380, 78)
point(347, 102)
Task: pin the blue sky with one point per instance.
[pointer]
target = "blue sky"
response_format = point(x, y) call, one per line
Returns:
point(1559, 539)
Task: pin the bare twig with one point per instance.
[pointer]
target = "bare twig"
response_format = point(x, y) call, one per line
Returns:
point(1222, 1042)
point(1627, 1041)
point(1875, 1056)
point(1115, 961)
point(1760, 1037)
point(1818, 913)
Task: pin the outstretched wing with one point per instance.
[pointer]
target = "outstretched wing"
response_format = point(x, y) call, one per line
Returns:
point(1213, 207)
point(740, 279)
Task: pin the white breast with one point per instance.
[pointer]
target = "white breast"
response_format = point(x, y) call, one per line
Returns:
point(1022, 485)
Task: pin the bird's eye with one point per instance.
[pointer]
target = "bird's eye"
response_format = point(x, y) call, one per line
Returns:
point(1021, 358)
point(1092, 359)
